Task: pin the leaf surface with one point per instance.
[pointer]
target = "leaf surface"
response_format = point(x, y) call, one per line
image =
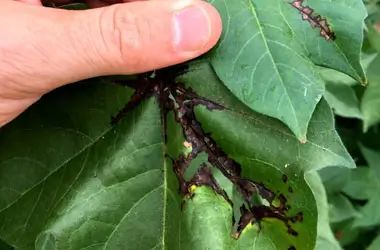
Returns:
point(343, 100)
point(325, 238)
point(369, 215)
point(79, 183)
point(267, 53)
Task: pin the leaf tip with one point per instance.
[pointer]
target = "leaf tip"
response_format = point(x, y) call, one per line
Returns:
point(366, 126)
point(364, 82)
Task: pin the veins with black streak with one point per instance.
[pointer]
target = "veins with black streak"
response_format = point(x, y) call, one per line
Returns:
point(315, 20)
point(182, 101)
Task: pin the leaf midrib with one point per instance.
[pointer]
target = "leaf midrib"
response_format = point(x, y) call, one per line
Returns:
point(253, 10)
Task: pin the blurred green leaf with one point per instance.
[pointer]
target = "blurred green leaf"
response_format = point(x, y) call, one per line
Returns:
point(341, 90)
point(368, 187)
point(375, 244)
point(336, 77)
point(362, 184)
point(325, 238)
point(372, 7)
point(373, 37)
point(371, 99)
point(334, 178)
point(345, 233)
point(5, 246)
point(373, 159)
point(341, 208)
point(342, 99)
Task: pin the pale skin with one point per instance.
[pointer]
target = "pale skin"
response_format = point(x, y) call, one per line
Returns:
point(44, 48)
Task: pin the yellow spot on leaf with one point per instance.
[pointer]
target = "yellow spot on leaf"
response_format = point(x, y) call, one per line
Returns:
point(187, 144)
point(192, 188)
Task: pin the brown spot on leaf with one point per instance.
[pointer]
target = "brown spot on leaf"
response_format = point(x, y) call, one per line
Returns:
point(290, 189)
point(282, 199)
point(284, 178)
point(376, 26)
point(298, 217)
point(246, 218)
point(262, 211)
point(144, 88)
point(338, 234)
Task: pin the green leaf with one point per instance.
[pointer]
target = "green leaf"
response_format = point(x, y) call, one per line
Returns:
point(342, 99)
point(371, 97)
point(369, 215)
point(374, 37)
point(360, 184)
point(267, 54)
point(207, 225)
point(341, 90)
point(77, 182)
point(272, 140)
point(346, 233)
point(334, 178)
point(330, 75)
point(336, 77)
point(4, 246)
point(375, 244)
point(341, 208)
point(326, 239)
point(69, 180)
point(372, 9)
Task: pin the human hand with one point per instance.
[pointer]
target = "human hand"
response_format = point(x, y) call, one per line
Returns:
point(43, 48)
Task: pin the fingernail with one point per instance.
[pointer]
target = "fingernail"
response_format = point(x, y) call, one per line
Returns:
point(191, 29)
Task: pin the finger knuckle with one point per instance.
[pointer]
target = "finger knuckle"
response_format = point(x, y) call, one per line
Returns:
point(128, 33)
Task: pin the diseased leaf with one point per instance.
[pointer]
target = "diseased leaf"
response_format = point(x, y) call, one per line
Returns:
point(259, 136)
point(267, 53)
point(314, 19)
point(207, 222)
point(78, 182)
point(345, 18)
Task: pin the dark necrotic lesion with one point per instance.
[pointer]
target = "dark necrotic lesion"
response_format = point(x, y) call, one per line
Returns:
point(181, 101)
point(315, 20)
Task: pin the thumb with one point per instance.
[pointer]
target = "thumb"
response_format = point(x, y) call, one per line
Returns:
point(67, 46)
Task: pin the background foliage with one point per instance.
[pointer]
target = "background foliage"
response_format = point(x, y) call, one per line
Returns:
point(347, 197)
point(352, 194)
